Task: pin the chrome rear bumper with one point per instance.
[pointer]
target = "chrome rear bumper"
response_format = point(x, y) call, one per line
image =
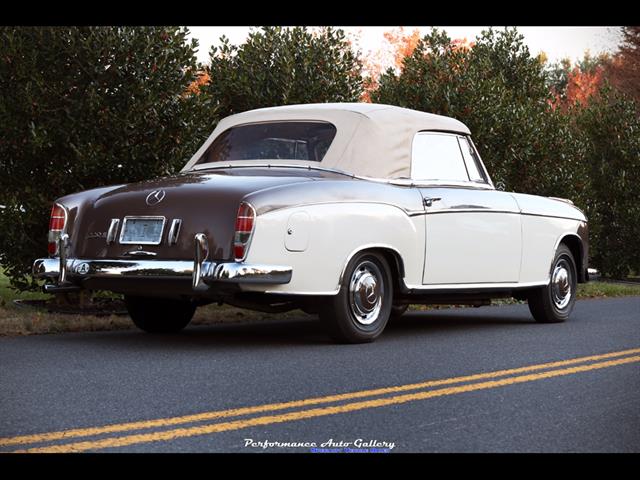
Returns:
point(70, 272)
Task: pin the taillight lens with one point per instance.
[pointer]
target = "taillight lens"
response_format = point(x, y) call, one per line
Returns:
point(57, 224)
point(244, 228)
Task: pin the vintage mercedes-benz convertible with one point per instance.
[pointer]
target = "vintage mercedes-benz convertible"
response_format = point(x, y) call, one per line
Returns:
point(351, 211)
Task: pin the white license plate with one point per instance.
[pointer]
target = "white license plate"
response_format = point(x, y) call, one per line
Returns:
point(142, 230)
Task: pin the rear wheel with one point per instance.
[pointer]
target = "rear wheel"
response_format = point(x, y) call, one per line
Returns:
point(159, 315)
point(554, 302)
point(361, 309)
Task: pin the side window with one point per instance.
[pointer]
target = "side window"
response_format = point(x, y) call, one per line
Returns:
point(437, 156)
point(476, 173)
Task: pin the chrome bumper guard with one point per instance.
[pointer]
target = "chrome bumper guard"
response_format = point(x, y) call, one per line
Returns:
point(68, 271)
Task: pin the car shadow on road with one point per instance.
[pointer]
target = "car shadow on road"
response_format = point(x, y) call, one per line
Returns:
point(304, 331)
point(450, 320)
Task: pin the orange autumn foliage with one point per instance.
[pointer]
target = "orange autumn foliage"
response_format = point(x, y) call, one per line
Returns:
point(194, 87)
point(462, 44)
point(582, 85)
point(402, 44)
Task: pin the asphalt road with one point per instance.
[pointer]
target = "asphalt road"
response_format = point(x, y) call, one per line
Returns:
point(182, 391)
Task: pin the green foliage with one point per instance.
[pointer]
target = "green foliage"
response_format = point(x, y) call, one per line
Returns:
point(558, 77)
point(283, 66)
point(611, 127)
point(85, 107)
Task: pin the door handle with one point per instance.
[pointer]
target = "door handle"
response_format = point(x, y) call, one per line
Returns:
point(428, 201)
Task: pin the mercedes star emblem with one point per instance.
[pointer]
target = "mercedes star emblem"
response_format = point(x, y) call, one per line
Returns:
point(155, 197)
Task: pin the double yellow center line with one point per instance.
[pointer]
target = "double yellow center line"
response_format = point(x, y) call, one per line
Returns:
point(386, 396)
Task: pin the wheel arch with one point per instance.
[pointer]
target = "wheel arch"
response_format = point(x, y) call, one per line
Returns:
point(574, 243)
point(391, 255)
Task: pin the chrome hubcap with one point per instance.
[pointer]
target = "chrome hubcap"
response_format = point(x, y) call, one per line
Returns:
point(366, 292)
point(561, 284)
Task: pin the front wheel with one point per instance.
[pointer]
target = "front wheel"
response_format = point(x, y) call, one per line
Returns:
point(554, 302)
point(361, 309)
point(398, 310)
point(159, 315)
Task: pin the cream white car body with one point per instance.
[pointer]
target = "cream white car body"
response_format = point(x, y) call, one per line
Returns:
point(475, 237)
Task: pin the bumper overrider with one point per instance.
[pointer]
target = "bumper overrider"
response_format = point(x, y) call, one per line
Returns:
point(68, 273)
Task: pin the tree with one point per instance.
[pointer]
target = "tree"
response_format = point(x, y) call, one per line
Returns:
point(283, 66)
point(85, 107)
point(571, 83)
point(624, 67)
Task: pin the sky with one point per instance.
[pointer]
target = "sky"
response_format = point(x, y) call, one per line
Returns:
point(556, 42)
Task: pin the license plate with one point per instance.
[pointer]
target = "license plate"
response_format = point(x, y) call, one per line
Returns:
point(142, 230)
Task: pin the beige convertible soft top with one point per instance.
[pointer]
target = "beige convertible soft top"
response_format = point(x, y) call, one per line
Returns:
point(372, 140)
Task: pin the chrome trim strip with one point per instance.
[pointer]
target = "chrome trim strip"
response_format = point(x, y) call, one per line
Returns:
point(486, 172)
point(131, 268)
point(466, 286)
point(433, 288)
point(407, 182)
point(60, 288)
point(415, 213)
point(400, 182)
point(46, 268)
point(560, 199)
point(210, 166)
point(269, 209)
point(470, 210)
point(174, 231)
point(142, 217)
point(63, 244)
point(308, 294)
point(113, 230)
point(201, 253)
point(255, 273)
point(551, 216)
point(140, 253)
point(211, 272)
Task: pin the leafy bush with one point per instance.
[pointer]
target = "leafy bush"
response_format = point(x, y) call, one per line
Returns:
point(84, 107)
point(283, 66)
point(611, 129)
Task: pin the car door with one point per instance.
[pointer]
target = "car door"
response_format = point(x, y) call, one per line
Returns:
point(473, 232)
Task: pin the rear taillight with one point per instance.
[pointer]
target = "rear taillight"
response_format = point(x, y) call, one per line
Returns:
point(243, 231)
point(57, 224)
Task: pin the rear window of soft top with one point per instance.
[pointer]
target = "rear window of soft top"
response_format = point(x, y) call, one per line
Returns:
point(290, 140)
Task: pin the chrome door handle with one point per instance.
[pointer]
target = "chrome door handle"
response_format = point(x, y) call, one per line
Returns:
point(429, 201)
